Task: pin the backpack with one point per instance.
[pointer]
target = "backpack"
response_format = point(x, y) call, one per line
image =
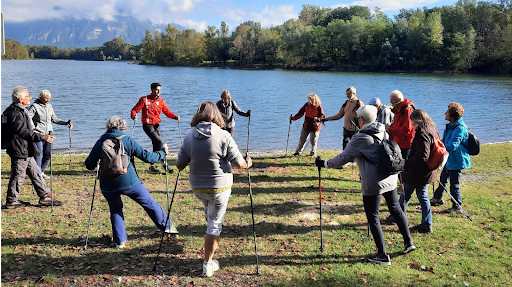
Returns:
point(114, 160)
point(390, 156)
point(438, 155)
point(405, 107)
point(473, 146)
point(5, 132)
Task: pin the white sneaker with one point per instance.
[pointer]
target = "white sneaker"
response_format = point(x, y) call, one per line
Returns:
point(172, 230)
point(210, 267)
point(44, 176)
point(120, 245)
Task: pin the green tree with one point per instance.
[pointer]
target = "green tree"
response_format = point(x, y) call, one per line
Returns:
point(14, 51)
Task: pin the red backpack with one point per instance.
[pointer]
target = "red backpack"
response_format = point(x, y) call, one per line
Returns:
point(438, 155)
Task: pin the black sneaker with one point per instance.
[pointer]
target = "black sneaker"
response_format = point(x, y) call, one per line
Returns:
point(380, 259)
point(16, 204)
point(153, 169)
point(389, 220)
point(296, 153)
point(409, 247)
point(421, 229)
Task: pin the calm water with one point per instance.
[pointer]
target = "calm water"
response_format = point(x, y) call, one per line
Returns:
point(89, 93)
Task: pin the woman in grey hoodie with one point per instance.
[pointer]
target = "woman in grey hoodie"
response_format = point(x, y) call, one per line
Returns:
point(210, 151)
point(374, 185)
point(43, 116)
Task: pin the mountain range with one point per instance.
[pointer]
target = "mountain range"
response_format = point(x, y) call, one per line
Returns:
point(80, 33)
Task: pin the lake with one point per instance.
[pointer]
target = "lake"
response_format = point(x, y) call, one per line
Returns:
point(89, 93)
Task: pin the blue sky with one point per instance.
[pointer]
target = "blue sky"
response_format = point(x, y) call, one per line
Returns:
point(195, 14)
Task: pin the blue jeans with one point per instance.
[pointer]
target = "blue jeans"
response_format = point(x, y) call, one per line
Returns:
point(139, 194)
point(422, 193)
point(454, 176)
point(45, 154)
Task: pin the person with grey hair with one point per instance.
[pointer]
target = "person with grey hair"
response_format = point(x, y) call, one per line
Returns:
point(43, 116)
point(384, 114)
point(347, 110)
point(21, 147)
point(211, 152)
point(365, 150)
point(127, 184)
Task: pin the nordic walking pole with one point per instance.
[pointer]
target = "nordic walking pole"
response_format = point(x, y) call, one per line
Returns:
point(92, 203)
point(248, 128)
point(288, 138)
point(253, 225)
point(133, 128)
point(166, 177)
point(179, 129)
point(166, 221)
point(455, 201)
point(69, 147)
point(51, 173)
point(320, 195)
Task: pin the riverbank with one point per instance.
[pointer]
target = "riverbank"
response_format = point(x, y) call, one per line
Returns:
point(37, 247)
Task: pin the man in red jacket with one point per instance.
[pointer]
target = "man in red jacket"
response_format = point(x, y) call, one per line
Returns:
point(152, 106)
point(402, 129)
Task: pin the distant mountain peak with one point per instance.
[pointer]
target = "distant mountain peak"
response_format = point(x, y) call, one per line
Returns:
point(80, 33)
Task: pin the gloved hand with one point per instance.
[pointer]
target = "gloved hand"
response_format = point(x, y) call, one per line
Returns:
point(319, 162)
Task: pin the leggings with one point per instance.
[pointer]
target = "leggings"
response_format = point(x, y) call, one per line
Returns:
point(371, 208)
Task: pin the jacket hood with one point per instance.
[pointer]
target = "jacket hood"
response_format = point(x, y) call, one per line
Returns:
point(204, 129)
point(112, 133)
point(376, 129)
point(406, 102)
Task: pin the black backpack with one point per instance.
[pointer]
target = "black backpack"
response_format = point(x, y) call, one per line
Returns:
point(6, 130)
point(390, 156)
point(473, 146)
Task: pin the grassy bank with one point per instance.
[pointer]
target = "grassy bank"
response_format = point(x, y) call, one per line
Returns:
point(44, 248)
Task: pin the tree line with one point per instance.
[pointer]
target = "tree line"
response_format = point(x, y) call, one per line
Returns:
point(469, 36)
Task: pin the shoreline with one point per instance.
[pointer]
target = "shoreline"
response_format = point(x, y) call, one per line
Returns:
point(258, 153)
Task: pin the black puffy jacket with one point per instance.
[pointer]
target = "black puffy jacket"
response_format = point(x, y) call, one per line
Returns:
point(21, 137)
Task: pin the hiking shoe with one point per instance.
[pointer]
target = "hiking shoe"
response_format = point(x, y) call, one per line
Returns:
point(46, 200)
point(172, 230)
point(420, 228)
point(380, 259)
point(44, 176)
point(452, 211)
point(296, 153)
point(153, 169)
point(169, 168)
point(120, 245)
point(408, 248)
point(210, 267)
point(16, 204)
point(436, 202)
point(389, 220)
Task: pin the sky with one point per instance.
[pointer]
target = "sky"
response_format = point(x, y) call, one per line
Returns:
point(192, 14)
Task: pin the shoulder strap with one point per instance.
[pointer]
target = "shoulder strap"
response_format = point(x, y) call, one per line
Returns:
point(344, 104)
point(460, 125)
point(405, 107)
point(358, 105)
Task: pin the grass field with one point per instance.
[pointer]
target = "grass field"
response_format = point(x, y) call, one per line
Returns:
point(47, 249)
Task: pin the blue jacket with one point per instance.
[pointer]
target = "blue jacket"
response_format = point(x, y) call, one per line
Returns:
point(453, 136)
point(130, 179)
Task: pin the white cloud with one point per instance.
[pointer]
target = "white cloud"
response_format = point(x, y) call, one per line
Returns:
point(191, 24)
point(234, 14)
point(274, 15)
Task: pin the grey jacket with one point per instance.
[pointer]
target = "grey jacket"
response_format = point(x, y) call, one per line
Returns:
point(210, 151)
point(43, 116)
point(226, 109)
point(372, 182)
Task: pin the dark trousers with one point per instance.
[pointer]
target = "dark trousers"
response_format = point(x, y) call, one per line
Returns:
point(347, 136)
point(454, 177)
point(371, 208)
point(153, 132)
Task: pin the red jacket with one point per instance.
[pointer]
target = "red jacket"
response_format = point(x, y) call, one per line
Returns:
point(402, 129)
point(151, 110)
point(309, 121)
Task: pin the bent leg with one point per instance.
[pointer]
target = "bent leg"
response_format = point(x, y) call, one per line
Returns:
point(303, 137)
point(398, 214)
point(438, 194)
point(18, 170)
point(141, 195)
point(34, 173)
